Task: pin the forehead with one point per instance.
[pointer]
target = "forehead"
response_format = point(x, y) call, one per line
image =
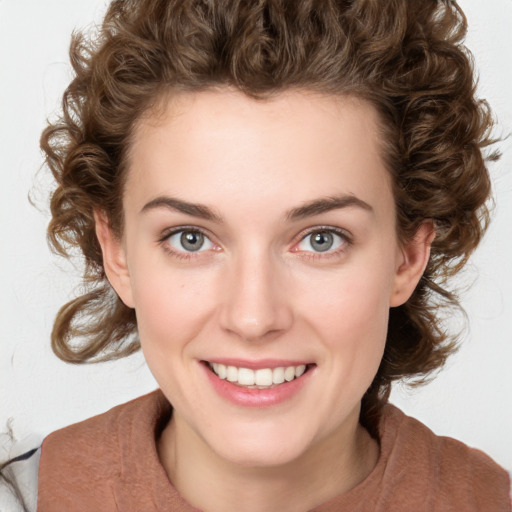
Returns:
point(216, 146)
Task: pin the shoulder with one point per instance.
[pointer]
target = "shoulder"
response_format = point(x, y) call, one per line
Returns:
point(94, 452)
point(444, 471)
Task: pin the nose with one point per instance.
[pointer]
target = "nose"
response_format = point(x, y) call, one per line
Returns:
point(255, 304)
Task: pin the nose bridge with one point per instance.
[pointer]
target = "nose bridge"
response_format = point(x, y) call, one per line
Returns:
point(254, 303)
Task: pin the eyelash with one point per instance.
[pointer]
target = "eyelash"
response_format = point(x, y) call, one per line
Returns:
point(312, 255)
point(182, 255)
point(309, 255)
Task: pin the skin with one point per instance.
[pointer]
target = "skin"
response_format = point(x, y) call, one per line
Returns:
point(258, 289)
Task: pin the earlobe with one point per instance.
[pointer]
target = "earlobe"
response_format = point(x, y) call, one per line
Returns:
point(414, 258)
point(114, 258)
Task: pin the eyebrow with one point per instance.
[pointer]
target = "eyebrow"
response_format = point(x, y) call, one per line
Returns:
point(310, 209)
point(195, 210)
point(318, 206)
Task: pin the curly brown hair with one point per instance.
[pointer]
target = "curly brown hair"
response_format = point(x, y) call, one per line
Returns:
point(404, 57)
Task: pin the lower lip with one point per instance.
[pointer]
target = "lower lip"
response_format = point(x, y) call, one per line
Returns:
point(248, 397)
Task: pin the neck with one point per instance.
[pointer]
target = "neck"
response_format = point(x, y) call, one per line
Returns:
point(332, 466)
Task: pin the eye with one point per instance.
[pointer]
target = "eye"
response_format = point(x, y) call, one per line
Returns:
point(189, 240)
point(322, 240)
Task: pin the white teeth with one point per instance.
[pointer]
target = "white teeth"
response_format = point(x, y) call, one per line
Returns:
point(245, 377)
point(262, 378)
point(232, 373)
point(221, 371)
point(289, 373)
point(278, 375)
point(299, 370)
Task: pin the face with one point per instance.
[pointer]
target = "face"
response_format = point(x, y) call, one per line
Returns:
point(261, 257)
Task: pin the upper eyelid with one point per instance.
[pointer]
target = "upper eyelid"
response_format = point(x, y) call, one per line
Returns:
point(338, 231)
point(346, 237)
point(167, 246)
point(166, 233)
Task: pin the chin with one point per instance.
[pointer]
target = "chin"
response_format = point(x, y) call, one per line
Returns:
point(260, 449)
point(262, 457)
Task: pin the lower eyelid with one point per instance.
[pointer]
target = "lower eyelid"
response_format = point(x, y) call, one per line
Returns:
point(178, 232)
point(343, 240)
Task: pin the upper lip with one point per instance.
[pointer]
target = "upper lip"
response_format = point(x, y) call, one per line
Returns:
point(259, 363)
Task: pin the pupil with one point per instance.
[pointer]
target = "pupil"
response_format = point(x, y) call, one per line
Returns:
point(322, 241)
point(192, 240)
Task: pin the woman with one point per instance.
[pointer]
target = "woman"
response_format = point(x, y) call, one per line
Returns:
point(269, 197)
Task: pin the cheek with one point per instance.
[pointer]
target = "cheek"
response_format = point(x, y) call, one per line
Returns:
point(350, 316)
point(171, 311)
point(171, 306)
point(354, 299)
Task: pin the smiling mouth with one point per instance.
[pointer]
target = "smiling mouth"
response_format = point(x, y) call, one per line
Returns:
point(262, 378)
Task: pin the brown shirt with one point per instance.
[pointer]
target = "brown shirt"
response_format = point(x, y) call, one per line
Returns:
point(110, 463)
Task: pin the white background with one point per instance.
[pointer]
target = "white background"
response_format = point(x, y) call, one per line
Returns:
point(469, 400)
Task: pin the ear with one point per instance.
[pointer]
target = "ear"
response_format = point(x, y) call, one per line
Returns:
point(412, 261)
point(114, 258)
